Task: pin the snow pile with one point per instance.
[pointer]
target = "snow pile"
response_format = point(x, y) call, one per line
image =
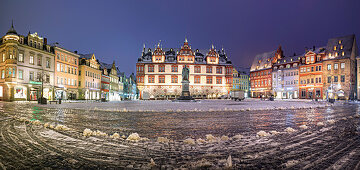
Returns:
point(224, 138)
point(23, 119)
point(290, 130)
point(36, 122)
point(115, 136)
point(134, 137)
point(163, 140)
point(61, 127)
point(210, 138)
point(189, 141)
point(51, 126)
point(152, 163)
point(99, 133)
point(357, 116)
point(87, 132)
point(303, 127)
point(320, 124)
point(344, 118)
point(291, 163)
point(123, 136)
point(274, 132)
point(46, 125)
point(331, 121)
point(262, 134)
point(200, 141)
point(229, 163)
point(237, 137)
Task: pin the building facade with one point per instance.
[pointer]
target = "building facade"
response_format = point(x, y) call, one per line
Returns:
point(311, 74)
point(89, 77)
point(159, 72)
point(339, 68)
point(27, 67)
point(109, 72)
point(66, 73)
point(261, 73)
point(285, 78)
point(241, 80)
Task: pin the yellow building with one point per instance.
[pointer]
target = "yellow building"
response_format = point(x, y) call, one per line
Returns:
point(89, 77)
point(241, 80)
point(159, 72)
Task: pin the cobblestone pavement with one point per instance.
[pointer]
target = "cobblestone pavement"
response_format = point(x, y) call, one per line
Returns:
point(330, 138)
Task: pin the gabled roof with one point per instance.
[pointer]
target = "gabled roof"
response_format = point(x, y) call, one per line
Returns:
point(262, 61)
point(105, 65)
point(347, 42)
point(243, 70)
point(87, 56)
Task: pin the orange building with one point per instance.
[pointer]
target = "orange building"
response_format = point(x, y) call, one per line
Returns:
point(311, 77)
point(260, 73)
point(66, 73)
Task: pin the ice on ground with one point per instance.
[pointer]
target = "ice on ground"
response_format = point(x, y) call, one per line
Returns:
point(134, 137)
point(163, 140)
point(331, 121)
point(262, 134)
point(224, 138)
point(87, 132)
point(290, 130)
point(115, 136)
point(303, 127)
point(189, 141)
point(320, 124)
point(210, 138)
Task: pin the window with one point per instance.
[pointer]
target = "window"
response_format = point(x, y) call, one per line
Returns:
point(174, 68)
point(31, 76)
point(342, 65)
point(208, 69)
point(2, 74)
point(342, 78)
point(174, 79)
point(319, 79)
point(335, 79)
point(312, 69)
point(335, 48)
point(58, 56)
point(218, 70)
point(336, 66)
point(208, 80)
point(151, 79)
point(47, 62)
point(75, 61)
point(218, 80)
point(151, 68)
point(329, 67)
point(319, 68)
point(62, 68)
point(21, 57)
point(197, 79)
point(161, 68)
point(47, 78)
point(329, 79)
point(312, 59)
point(39, 60)
point(161, 79)
point(31, 60)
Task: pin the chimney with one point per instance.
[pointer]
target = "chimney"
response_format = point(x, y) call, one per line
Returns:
point(45, 41)
point(75, 52)
point(306, 49)
point(314, 48)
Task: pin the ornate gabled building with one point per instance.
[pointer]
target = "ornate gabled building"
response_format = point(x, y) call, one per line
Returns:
point(159, 72)
point(340, 68)
point(27, 67)
point(311, 73)
point(109, 78)
point(261, 72)
point(89, 77)
point(241, 80)
point(285, 77)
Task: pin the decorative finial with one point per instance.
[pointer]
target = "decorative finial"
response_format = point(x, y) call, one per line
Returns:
point(186, 39)
point(212, 46)
point(12, 24)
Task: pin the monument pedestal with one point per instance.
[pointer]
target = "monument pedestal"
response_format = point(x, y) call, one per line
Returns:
point(185, 94)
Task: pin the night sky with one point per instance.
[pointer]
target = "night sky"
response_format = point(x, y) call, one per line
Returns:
point(116, 30)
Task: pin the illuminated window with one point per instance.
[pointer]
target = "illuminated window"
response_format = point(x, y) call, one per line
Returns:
point(218, 80)
point(342, 65)
point(151, 79)
point(161, 68)
point(341, 47)
point(151, 68)
point(329, 67)
point(161, 79)
point(340, 41)
point(31, 60)
point(197, 79)
point(197, 69)
point(342, 53)
point(208, 69)
point(336, 66)
point(208, 80)
point(218, 70)
point(174, 68)
point(335, 47)
point(174, 79)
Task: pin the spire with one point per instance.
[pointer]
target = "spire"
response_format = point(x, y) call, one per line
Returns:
point(186, 39)
point(12, 29)
point(144, 48)
point(212, 46)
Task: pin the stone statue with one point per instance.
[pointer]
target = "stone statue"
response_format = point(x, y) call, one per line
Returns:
point(185, 74)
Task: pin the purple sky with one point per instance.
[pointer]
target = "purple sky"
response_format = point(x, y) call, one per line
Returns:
point(116, 30)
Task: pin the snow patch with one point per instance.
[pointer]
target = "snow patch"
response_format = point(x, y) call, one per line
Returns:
point(36, 122)
point(303, 127)
point(210, 138)
point(320, 124)
point(189, 141)
point(87, 132)
point(115, 136)
point(61, 127)
point(229, 163)
point(237, 137)
point(99, 133)
point(224, 138)
point(163, 140)
point(46, 125)
point(134, 137)
point(331, 121)
point(152, 163)
point(262, 134)
point(290, 130)
point(200, 141)
point(274, 132)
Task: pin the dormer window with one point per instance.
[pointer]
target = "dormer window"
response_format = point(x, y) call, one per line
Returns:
point(336, 54)
point(340, 41)
point(259, 61)
point(342, 53)
point(335, 48)
point(341, 47)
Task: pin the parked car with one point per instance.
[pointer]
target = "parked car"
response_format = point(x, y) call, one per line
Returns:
point(224, 97)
